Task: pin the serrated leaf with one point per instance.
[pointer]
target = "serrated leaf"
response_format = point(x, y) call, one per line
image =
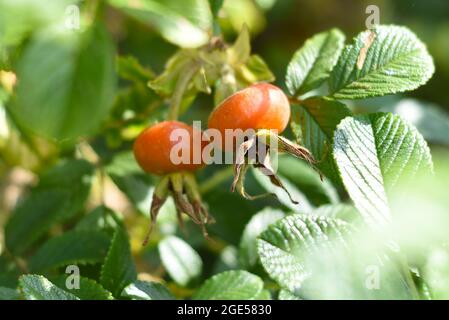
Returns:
point(184, 23)
point(144, 290)
point(74, 247)
point(340, 211)
point(118, 269)
point(230, 285)
point(313, 122)
point(255, 70)
point(36, 287)
point(181, 261)
point(81, 65)
point(88, 289)
point(383, 60)
point(258, 223)
point(373, 153)
point(311, 65)
point(60, 194)
point(283, 247)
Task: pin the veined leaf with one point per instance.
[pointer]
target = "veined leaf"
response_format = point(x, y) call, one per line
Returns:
point(313, 123)
point(312, 64)
point(36, 287)
point(283, 247)
point(184, 23)
point(75, 247)
point(144, 290)
point(384, 60)
point(8, 294)
point(182, 262)
point(230, 285)
point(82, 66)
point(118, 269)
point(373, 153)
point(258, 223)
point(287, 295)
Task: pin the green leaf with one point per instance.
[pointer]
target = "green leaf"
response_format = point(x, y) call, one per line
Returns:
point(255, 70)
point(258, 223)
point(184, 23)
point(118, 269)
point(283, 247)
point(74, 247)
point(82, 66)
point(181, 261)
point(264, 295)
point(36, 287)
point(8, 294)
point(436, 273)
point(144, 290)
point(373, 153)
point(311, 65)
point(313, 123)
point(88, 289)
point(340, 211)
point(384, 60)
point(99, 219)
point(287, 295)
point(130, 69)
point(230, 285)
point(60, 194)
point(240, 51)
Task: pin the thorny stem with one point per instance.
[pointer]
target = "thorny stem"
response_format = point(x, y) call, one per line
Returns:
point(180, 89)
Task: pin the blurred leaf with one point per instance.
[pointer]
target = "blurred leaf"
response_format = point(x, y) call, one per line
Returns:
point(240, 12)
point(99, 219)
point(182, 263)
point(8, 294)
point(144, 290)
point(18, 18)
point(384, 60)
point(313, 123)
point(287, 295)
point(311, 65)
point(240, 51)
point(373, 153)
point(88, 289)
point(215, 6)
point(81, 66)
point(9, 274)
point(303, 205)
point(436, 273)
point(307, 180)
point(130, 69)
point(184, 23)
point(230, 285)
point(227, 260)
point(264, 295)
point(255, 70)
point(118, 269)
point(282, 247)
point(340, 211)
point(258, 223)
point(74, 247)
point(60, 194)
point(36, 287)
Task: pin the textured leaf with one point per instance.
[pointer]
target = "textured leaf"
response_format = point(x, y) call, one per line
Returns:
point(230, 285)
point(118, 269)
point(312, 64)
point(144, 290)
point(182, 263)
point(184, 23)
point(287, 295)
point(373, 153)
point(61, 193)
point(99, 219)
point(283, 247)
point(75, 247)
point(36, 287)
point(88, 289)
point(340, 211)
point(258, 223)
point(81, 66)
point(313, 123)
point(384, 60)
